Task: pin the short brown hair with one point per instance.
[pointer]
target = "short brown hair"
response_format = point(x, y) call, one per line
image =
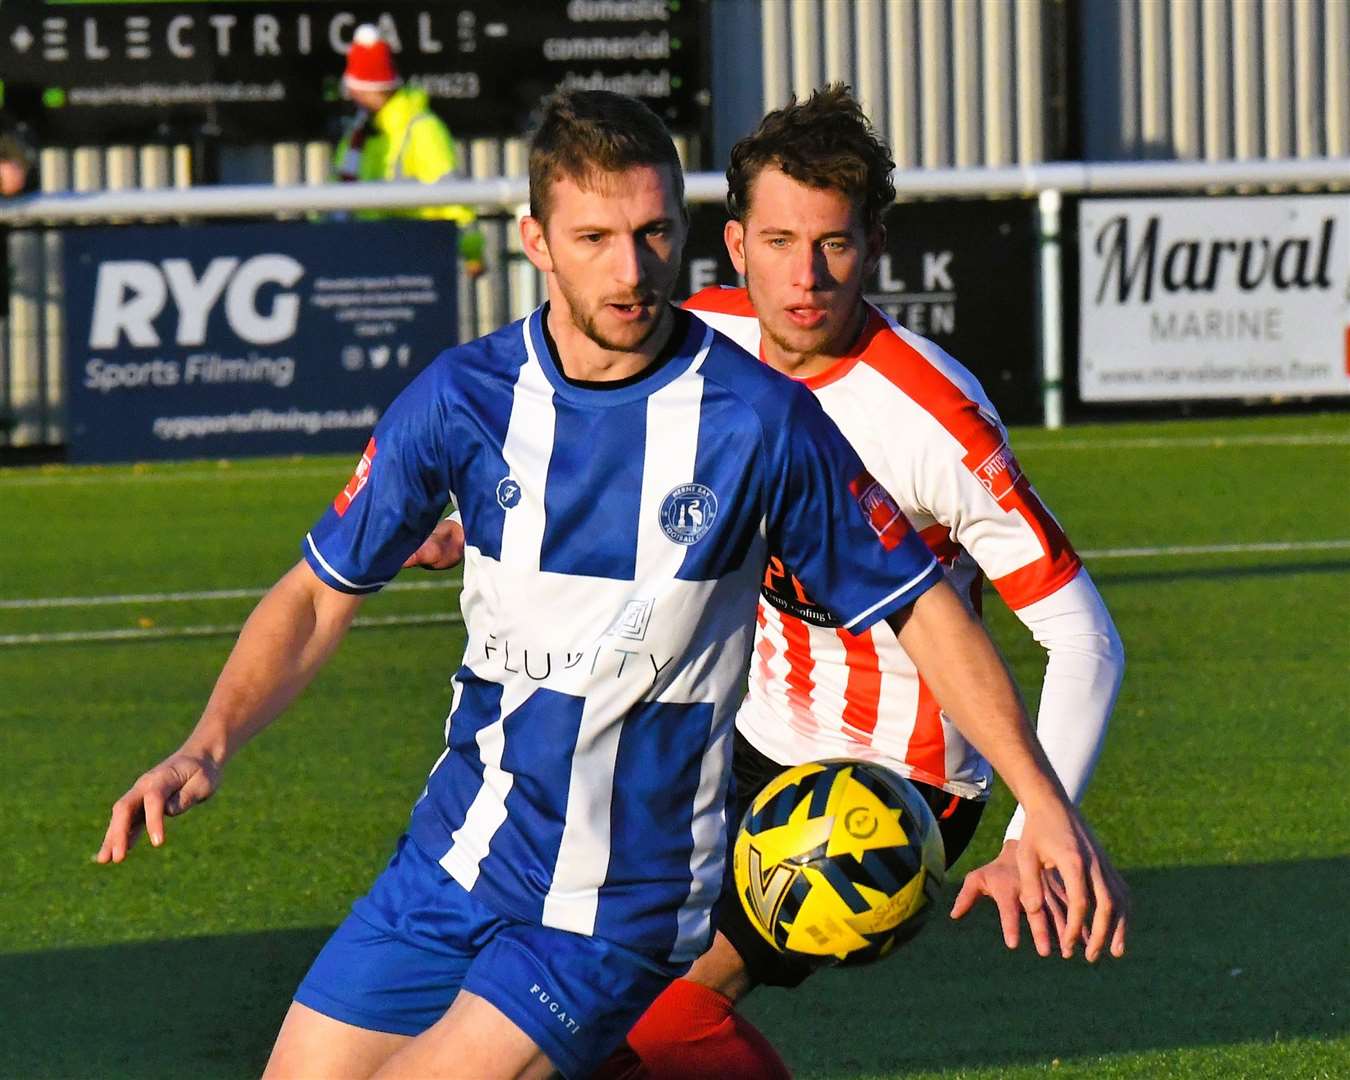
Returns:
point(583, 132)
point(823, 142)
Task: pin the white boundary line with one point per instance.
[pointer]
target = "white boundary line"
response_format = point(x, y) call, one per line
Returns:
point(160, 633)
point(127, 475)
point(188, 597)
point(1205, 442)
point(1216, 549)
point(451, 584)
point(454, 618)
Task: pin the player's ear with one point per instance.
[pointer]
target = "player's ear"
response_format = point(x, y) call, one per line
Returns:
point(535, 243)
point(680, 235)
point(876, 246)
point(733, 235)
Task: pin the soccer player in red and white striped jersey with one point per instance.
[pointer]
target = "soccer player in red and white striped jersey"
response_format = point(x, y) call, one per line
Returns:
point(806, 193)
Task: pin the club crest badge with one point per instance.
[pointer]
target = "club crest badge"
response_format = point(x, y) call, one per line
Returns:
point(688, 512)
point(508, 493)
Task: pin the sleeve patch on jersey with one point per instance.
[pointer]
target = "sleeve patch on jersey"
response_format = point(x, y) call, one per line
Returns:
point(881, 511)
point(358, 480)
point(999, 472)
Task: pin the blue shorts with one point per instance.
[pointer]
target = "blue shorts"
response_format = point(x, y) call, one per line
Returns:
point(398, 960)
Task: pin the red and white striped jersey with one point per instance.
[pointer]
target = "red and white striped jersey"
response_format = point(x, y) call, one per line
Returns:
point(926, 431)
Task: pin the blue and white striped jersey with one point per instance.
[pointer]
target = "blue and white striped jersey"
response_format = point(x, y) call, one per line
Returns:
point(616, 541)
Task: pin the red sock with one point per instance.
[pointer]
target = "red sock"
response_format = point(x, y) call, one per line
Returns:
point(694, 1033)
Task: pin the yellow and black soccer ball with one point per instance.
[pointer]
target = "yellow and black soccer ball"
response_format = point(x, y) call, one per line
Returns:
point(839, 861)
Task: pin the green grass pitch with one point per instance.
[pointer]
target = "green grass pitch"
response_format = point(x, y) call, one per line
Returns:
point(1221, 793)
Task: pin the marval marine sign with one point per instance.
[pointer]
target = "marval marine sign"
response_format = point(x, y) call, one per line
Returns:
point(1214, 298)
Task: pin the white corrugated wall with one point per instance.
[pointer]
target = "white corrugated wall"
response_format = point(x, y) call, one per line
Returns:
point(948, 82)
point(1216, 79)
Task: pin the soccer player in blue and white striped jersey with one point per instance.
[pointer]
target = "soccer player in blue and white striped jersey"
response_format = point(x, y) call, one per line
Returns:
point(622, 472)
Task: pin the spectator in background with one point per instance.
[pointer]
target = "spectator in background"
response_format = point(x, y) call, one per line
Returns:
point(16, 161)
point(395, 136)
point(14, 166)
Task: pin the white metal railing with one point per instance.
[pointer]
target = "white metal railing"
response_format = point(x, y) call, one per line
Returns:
point(1068, 178)
point(1047, 182)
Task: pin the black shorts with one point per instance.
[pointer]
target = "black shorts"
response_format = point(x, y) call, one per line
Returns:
point(957, 819)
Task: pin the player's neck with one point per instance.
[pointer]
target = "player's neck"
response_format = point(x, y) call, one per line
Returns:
point(807, 365)
point(583, 359)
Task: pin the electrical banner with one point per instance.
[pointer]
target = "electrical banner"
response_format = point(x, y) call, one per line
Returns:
point(102, 71)
point(1218, 298)
point(240, 340)
point(961, 273)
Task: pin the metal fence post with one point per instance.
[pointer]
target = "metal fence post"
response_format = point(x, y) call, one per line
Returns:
point(7, 420)
point(1052, 310)
point(43, 291)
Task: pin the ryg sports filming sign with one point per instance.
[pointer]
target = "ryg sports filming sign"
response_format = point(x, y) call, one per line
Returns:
point(1214, 298)
point(220, 341)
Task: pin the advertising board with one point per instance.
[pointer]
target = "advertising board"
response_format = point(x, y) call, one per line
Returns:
point(225, 341)
point(1214, 298)
point(961, 273)
point(101, 71)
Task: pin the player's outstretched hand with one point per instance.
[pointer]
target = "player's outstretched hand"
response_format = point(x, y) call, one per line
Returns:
point(1054, 882)
point(1067, 879)
point(442, 550)
point(997, 879)
point(175, 785)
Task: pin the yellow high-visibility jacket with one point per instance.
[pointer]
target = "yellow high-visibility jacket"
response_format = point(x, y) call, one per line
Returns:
point(407, 141)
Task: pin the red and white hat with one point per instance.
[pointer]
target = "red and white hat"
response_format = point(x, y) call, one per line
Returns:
point(370, 63)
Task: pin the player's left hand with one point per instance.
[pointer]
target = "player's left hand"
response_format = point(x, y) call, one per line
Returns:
point(174, 786)
point(998, 880)
point(442, 550)
point(1065, 877)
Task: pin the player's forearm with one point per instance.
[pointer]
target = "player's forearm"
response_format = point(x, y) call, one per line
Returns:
point(957, 660)
point(1085, 662)
point(286, 640)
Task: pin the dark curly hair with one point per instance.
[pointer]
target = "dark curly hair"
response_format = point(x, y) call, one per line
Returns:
point(824, 142)
point(582, 132)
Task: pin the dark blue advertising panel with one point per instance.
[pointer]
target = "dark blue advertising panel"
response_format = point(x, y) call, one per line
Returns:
point(235, 340)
